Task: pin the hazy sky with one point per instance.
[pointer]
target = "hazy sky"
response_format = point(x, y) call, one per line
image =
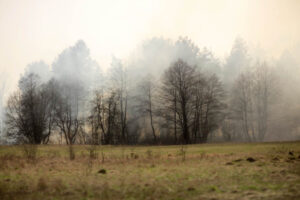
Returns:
point(33, 30)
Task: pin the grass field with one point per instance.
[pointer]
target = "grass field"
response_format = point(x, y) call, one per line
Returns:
point(209, 171)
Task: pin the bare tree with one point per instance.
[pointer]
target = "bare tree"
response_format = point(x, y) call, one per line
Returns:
point(104, 118)
point(95, 119)
point(263, 92)
point(251, 100)
point(15, 121)
point(180, 77)
point(119, 86)
point(29, 112)
point(198, 107)
point(67, 113)
point(208, 106)
point(51, 95)
point(145, 101)
point(242, 104)
point(112, 121)
point(195, 99)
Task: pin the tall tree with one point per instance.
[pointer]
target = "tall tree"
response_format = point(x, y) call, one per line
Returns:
point(67, 111)
point(251, 101)
point(120, 86)
point(242, 102)
point(104, 117)
point(263, 90)
point(28, 116)
point(180, 77)
point(145, 101)
point(208, 105)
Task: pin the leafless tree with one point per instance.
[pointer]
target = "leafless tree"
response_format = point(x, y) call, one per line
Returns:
point(114, 125)
point(208, 106)
point(67, 113)
point(104, 118)
point(195, 99)
point(120, 88)
point(178, 83)
point(242, 104)
point(96, 118)
point(51, 95)
point(29, 115)
point(251, 100)
point(263, 90)
point(145, 101)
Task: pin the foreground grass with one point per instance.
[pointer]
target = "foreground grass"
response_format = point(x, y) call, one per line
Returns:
point(210, 171)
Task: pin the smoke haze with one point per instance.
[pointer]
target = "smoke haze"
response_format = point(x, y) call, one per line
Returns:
point(84, 43)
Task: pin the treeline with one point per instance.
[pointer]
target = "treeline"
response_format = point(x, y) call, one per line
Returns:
point(185, 108)
point(186, 96)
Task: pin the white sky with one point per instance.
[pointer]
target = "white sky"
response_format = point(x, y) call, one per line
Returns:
point(33, 30)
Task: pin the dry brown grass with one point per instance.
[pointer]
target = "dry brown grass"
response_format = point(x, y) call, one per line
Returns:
point(157, 172)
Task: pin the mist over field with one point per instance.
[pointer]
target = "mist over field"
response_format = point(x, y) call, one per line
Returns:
point(150, 99)
point(111, 70)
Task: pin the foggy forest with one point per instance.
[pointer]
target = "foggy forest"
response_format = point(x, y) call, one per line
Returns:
point(149, 99)
point(165, 92)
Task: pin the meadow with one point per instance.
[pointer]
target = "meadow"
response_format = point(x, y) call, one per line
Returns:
point(204, 171)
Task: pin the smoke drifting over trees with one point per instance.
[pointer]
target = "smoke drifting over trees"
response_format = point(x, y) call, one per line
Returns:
point(166, 91)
